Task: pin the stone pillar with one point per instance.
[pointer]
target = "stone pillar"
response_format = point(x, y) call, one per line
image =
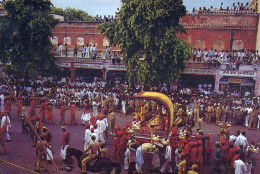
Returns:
point(72, 72)
point(217, 79)
point(257, 85)
point(104, 74)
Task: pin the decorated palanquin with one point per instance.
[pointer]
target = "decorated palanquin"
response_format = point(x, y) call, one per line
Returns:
point(154, 119)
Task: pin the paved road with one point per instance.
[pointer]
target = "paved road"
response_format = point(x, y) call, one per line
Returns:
point(21, 152)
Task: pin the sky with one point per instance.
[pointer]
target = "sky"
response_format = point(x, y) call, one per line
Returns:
point(109, 7)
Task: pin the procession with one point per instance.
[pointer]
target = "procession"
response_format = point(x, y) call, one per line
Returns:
point(161, 129)
point(165, 86)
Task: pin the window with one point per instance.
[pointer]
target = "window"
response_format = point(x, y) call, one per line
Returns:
point(200, 43)
point(67, 40)
point(218, 44)
point(237, 45)
point(80, 41)
point(54, 40)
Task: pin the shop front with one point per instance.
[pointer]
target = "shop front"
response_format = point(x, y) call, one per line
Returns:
point(237, 85)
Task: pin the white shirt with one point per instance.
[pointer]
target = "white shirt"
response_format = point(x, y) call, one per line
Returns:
point(87, 136)
point(240, 167)
point(241, 139)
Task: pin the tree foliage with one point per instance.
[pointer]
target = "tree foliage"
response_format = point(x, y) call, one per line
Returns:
point(149, 28)
point(24, 33)
point(72, 14)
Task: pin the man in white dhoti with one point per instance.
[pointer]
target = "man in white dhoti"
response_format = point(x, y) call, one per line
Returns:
point(143, 149)
point(6, 122)
point(102, 128)
point(123, 107)
point(168, 158)
point(87, 138)
point(2, 97)
point(95, 108)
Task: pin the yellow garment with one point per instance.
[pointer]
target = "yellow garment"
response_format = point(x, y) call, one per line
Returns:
point(182, 167)
point(192, 172)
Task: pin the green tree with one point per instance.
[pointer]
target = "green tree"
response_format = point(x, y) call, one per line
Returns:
point(24, 35)
point(72, 14)
point(146, 28)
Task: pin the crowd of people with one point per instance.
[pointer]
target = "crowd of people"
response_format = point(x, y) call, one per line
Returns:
point(100, 101)
point(106, 18)
point(236, 7)
point(232, 59)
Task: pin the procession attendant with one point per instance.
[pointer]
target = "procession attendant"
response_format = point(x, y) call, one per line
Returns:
point(32, 104)
point(216, 167)
point(7, 106)
point(168, 158)
point(2, 137)
point(49, 113)
point(120, 145)
point(194, 169)
point(236, 155)
point(112, 121)
point(142, 113)
point(64, 142)
point(196, 110)
point(130, 156)
point(95, 108)
point(229, 155)
point(48, 138)
point(94, 148)
point(20, 105)
point(200, 151)
point(223, 147)
point(41, 154)
point(209, 113)
point(218, 114)
point(209, 149)
point(73, 114)
point(43, 111)
point(123, 107)
point(62, 113)
point(97, 132)
point(86, 113)
point(193, 153)
point(5, 122)
point(87, 138)
point(140, 152)
point(102, 128)
point(182, 165)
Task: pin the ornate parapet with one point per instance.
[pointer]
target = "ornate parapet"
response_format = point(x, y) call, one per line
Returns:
point(197, 71)
point(221, 20)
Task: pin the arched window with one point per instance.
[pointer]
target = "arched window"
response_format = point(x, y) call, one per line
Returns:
point(200, 43)
point(237, 45)
point(80, 41)
point(54, 40)
point(67, 40)
point(219, 44)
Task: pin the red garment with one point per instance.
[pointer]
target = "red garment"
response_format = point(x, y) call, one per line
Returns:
point(43, 110)
point(200, 157)
point(116, 143)
point(7, 106)
point(223, 150)
point(121, 148)
point(32, 106)
point(174, 130)
point(62, 113)
point(235, 157)
point(49, 114)
point(19, 108)
point(209, 147)
point(72, 114)
point(230, 154)
point(63, 138)
point(193, 155)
